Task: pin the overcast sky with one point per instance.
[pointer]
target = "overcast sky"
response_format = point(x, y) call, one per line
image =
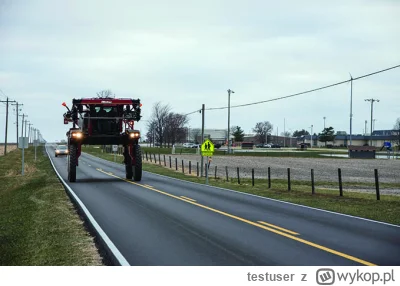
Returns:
point(186, 53)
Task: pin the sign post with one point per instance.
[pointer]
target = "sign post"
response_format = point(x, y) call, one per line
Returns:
point(115, 149)
point(35, 141)
point(388, 147)
point(207, 149)
point(23, 144)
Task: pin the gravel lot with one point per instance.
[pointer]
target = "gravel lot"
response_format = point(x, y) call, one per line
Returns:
point(353, 170)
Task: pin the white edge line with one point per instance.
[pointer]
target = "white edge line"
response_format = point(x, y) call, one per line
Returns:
point(121, 259)
point(265, 198)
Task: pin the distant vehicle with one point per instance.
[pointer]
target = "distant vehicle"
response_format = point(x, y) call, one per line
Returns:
point(259, 145)
point(247, 145)
point(195, 146)
point(61, 150)
point(275, 146)
point(217, 146)
point(188, 145)
point(267, 146)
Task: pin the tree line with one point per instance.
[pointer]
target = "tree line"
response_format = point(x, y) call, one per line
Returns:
point(167, 128)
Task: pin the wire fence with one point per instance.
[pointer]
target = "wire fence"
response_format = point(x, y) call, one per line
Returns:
point(269, 176)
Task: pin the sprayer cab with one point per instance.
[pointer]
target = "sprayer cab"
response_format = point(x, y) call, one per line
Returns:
point(105, 121)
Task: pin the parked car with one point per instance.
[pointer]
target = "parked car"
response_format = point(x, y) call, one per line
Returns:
point(188, 145)
point(196, 145)
point(267, 146)
point(61, 150)
point(259, 145)
point(275, 146)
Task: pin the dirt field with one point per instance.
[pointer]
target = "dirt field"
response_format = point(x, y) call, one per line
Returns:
point(9, 148)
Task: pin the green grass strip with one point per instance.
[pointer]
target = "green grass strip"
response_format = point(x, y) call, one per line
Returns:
point(38, 223)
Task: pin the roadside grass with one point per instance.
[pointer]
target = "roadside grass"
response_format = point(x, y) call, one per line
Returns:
point(38, 223)
point(365, 205)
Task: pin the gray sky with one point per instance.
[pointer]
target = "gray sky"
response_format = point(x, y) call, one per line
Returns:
point(185, 53)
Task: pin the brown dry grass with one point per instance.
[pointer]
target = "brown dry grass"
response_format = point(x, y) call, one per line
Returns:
point(10, 148)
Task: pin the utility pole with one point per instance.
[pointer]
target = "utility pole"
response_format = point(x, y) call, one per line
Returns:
point(202, 137)
point(372, 100)
point(26, 127)
point(351, 108)
point(229, 118)
point(17, 109)
point(311, 136)
point(23, 143)
point(324, 121)
point(284, 132)
point(365, 127)
point(22, 125)
point(5, 139)
point(277, 132)
point(29, 133)
point(35, 140)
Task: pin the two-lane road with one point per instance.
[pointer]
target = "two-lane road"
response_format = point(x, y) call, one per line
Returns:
point(164, 221)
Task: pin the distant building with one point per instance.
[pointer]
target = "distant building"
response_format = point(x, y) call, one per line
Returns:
point(343, 140)
point(217, 136)
point(272, 139)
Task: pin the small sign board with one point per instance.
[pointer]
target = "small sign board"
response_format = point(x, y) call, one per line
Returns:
point(388, 144)
point(115, 148)
point(207, 148)
point(23, 142)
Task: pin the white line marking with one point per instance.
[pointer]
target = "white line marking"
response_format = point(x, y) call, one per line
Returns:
point(121, 259)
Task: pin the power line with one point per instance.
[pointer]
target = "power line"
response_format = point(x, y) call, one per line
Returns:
point(198, 110)
point(3, 94)
point(304, 92)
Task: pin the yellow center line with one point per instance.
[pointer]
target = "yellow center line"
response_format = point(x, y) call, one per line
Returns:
point(278, 227)
point(148, 185)
point(364, 262)
point(188, 198)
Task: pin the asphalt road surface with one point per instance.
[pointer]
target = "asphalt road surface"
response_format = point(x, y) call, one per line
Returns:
point(164, 221)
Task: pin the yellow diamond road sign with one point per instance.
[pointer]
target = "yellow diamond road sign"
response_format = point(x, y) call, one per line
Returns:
point(207, 148)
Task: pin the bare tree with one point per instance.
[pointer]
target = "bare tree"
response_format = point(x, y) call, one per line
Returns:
point(150, 135)
point(262, 129)
point(105, 93)
point(175, 130)
point(159, 114)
